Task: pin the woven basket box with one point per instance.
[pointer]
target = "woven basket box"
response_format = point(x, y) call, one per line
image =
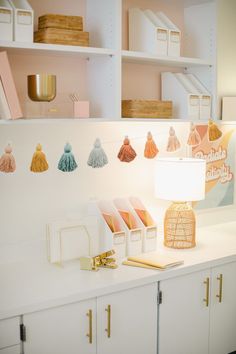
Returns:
point(146, 109)
point(62, 36)
point(60, 21)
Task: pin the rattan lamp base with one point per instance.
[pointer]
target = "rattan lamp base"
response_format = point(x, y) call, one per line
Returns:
point(179, 226)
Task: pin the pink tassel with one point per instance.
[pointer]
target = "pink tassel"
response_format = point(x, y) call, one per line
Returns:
point(194, 138)
point(126, 153)
point(7, 160)
point(173, 141)
point(151, 149)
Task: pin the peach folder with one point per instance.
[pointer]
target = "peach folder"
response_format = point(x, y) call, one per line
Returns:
point(9, 87)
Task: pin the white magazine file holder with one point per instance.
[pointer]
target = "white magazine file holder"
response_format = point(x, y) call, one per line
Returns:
point(134, 235)
point(150, 232)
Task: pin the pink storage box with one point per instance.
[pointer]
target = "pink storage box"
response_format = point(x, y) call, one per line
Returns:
point(81, 109)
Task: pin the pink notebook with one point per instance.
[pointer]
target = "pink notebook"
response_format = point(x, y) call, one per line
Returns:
point(9, 87)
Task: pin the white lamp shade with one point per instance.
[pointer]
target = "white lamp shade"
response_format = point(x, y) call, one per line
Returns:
point(180, 179)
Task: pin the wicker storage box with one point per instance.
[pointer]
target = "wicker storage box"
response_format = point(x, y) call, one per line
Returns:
point(146, 109)
point(62, 36)
point(60, 21)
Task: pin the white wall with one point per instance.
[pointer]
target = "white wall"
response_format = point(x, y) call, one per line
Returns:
point(28, 201)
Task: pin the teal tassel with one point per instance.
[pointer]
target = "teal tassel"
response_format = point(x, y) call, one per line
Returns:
point(67, 162)
point(97, 157)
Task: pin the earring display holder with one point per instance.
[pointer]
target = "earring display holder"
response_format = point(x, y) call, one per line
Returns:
point(111, 233)
point(67, 240)
point(149, 226)
point(132, 225)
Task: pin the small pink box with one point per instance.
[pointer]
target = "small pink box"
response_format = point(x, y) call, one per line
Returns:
point(81, 109)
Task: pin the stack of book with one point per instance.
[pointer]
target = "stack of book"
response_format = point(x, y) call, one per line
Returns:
point(9, 102)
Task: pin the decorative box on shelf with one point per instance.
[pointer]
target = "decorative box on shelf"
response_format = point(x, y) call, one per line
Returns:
point(61, 29)
point(61, 21)
point(146, 109)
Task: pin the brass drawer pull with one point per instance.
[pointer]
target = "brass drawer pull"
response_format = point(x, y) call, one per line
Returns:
point(108, 329)
point(207, 283)
point(90, 333)
point(219, 296)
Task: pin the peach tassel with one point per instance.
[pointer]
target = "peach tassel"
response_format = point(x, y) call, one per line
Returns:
point(151, 149)
point(194, 138)
point(173, 141)
point(39, 161)
point(214, 132)
point(126, 153)
point(7, 161)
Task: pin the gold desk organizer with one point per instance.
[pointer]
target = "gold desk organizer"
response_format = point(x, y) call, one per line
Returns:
point(103, 260)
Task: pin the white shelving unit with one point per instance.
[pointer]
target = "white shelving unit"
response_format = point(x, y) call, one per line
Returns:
point(107, 55)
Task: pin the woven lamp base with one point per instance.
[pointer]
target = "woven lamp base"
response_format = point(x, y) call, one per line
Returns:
point(179, 226)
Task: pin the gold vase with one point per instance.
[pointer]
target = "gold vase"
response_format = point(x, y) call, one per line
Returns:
point(41, 87)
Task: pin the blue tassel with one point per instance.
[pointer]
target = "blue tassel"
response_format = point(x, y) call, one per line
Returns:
point(97, 157)
point(67, 162)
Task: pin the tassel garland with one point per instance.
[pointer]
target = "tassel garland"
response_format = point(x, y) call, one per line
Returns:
point(214, 132)
point(151, 149)
point(173, 141)
point(39, 161)
point(194, 138)
point(67, 161)
point(7, 160)
point(97, 157)
point(126, 153)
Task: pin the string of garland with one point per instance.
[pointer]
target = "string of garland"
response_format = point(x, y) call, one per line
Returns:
point(98, 158)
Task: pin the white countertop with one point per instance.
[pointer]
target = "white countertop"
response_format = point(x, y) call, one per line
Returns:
point(33, 286)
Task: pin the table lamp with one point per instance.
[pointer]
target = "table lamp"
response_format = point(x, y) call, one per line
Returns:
point(181, 180)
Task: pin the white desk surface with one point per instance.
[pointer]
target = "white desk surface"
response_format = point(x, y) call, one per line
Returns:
point(33, 286)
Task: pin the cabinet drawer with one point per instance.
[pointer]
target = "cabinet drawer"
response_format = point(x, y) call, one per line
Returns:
point(11, 350)
point(9, 332)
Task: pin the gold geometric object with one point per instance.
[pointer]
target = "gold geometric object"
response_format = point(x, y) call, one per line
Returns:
point(41, 87)
point(179, 226)
point(103, 260)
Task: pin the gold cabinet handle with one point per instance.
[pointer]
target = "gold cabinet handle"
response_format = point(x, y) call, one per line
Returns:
point(207, 283)
point(220, 279)
point(90, 333)
point(108, 329)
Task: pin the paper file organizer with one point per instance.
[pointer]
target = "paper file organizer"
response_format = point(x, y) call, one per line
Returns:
point(205, 97)
point(149, 226)
point(6, 21)
point(174, 35)
point(70, 239)
point(23, 20)
point(186, 101)
point(108, 239)
point(134, 231)
point(147, 33)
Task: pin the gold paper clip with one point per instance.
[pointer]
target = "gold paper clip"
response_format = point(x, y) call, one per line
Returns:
point(102, 260)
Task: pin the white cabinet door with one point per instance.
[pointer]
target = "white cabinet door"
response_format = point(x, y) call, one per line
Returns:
point(183, 315)
point(62, 330)
point(223, 310)
point(133, 321)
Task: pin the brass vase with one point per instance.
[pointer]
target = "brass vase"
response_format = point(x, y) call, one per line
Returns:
point(41, 87)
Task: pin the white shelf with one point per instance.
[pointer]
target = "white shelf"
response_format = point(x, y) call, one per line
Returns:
point(145, 58)
point(48, 49)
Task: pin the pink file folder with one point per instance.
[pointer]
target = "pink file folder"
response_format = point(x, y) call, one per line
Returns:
point(9, 87)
